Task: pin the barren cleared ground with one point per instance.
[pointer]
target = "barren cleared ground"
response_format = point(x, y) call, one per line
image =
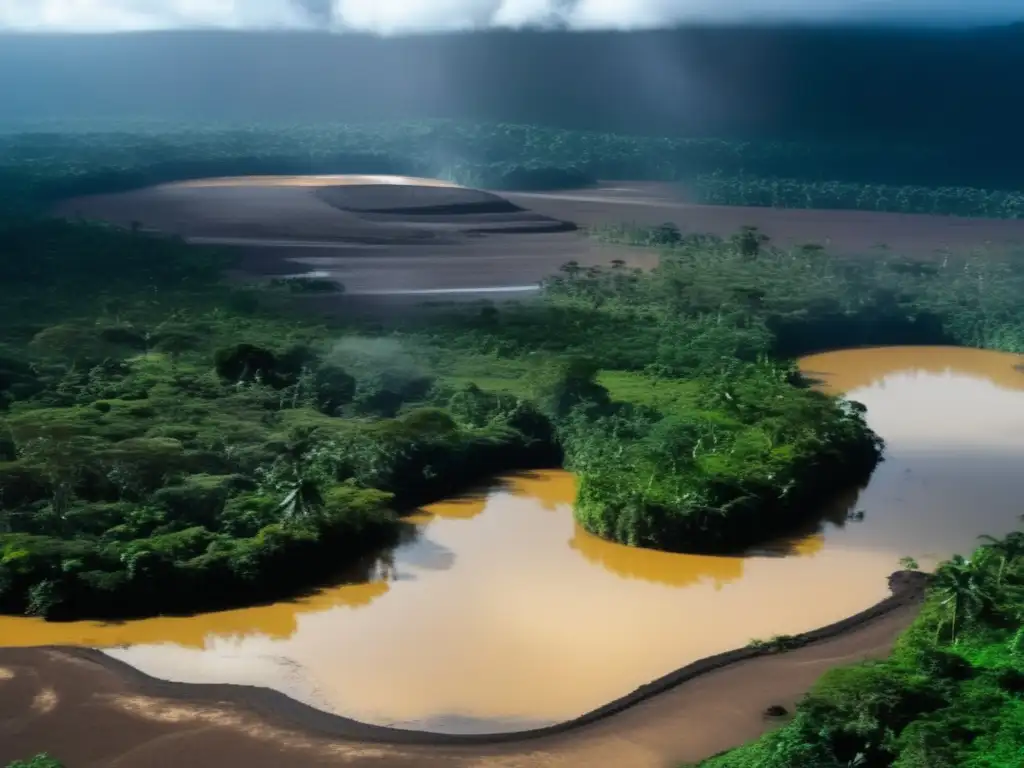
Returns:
point(404, 236)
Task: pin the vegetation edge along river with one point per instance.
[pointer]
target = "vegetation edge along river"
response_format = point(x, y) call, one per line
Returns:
point(126, 480)
point(164, 428)
point(55, 161)
point(907, 590)
point(169, 436)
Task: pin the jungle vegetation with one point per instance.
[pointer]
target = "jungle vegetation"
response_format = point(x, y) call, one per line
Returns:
point(772, 192)
point(171, 442)
point(706, 332)
point(950, 696)
point(50, 164)
point(162, 428)
point(164, 436)
point(39, 761)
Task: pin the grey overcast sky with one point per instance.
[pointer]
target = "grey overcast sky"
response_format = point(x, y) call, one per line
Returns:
point(410, 16)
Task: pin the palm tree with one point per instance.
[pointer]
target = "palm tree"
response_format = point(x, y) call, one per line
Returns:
point(301, 472)
point(1016, 642)
point(304, 497)
point(957, 581)
point(301, 441)
point(1009, 548)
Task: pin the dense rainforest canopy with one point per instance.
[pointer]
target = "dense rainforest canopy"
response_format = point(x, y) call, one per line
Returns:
point(171, 441)
point(55, 161)
point(162, 427)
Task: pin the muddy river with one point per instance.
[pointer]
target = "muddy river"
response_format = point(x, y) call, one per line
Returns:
point(501, 614)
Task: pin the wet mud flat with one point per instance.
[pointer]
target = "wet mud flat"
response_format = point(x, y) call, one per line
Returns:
point(379, 237)
point(374, 239)
point(840, 231)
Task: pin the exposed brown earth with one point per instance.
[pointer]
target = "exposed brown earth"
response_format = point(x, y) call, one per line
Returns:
point(406, 240)
point(840, 231)
point(90, 710)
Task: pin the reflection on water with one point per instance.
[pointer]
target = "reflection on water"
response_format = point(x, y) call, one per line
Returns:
point(854, 369)
point(501, 613)
point(953, 422)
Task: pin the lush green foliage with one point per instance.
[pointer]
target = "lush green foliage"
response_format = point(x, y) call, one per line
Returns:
point(805, 299)
point(719, 189)
point(701, 333)
point(718, 469)
point(42, 167)
point(168, 443)
point(39, 761)
point(950, 696)
point(160, 429)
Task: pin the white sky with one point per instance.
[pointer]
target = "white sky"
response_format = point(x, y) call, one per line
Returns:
point(397, 16)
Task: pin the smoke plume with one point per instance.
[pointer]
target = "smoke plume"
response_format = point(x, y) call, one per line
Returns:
point(413, 16)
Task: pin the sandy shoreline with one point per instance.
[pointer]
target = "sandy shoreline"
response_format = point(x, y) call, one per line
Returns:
point(79, 702)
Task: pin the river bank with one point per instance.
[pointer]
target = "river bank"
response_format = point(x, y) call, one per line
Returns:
point(672, 719)
point(340, 651)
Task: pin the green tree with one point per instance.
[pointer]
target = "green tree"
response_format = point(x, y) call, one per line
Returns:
point(300, 475)
point(1006, 550)
point(39, 761)
point(562, 387)
point(61, 459)
point(958, 583)
point(303, 497)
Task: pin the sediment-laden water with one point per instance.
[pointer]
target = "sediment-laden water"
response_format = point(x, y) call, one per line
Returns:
point(500, 613)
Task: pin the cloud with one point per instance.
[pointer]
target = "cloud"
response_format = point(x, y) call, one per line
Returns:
point(137, 15)
point(405, 16)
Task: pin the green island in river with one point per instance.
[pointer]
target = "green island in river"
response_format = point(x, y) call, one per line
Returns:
point(172, 441)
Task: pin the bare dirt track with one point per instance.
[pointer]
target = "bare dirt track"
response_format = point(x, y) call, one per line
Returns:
point(92, 711)
point(403, 236)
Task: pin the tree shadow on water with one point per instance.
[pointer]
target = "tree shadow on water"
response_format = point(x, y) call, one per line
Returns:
point(416, 549)
point(806, 538)
point(813, 379)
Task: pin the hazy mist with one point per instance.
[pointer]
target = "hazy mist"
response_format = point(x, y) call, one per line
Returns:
point(408, 16)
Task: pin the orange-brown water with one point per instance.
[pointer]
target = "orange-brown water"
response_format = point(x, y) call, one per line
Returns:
point(502, 613)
